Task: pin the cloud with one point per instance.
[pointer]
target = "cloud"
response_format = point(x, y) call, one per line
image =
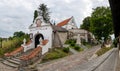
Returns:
point(17, 15)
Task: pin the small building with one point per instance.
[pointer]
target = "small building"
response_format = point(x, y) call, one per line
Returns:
point(40, 30)
point(73, 30)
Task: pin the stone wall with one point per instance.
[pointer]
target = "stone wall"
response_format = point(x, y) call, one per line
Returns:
point(62, 36)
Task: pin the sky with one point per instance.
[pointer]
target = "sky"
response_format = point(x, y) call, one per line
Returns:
point(17, 15)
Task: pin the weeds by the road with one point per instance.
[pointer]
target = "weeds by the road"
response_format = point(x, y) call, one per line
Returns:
point(103, 50)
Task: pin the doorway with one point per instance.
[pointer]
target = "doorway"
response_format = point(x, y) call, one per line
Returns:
point(37, 37)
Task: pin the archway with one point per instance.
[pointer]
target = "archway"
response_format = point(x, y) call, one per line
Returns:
point(37, 37)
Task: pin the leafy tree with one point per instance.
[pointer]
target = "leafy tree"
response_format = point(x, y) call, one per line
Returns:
point(44, 12)
point(35, 15)
point(86, 24)
point(18, 34)
point(101, 22)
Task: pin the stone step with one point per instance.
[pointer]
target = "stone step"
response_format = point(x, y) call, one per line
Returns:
point(10, 64)
point(13, 61)
point(16, 59)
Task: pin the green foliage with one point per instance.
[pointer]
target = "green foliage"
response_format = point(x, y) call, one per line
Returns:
point(99, 23)
point(35, 15)
point(69, 41)
point(55, 54)
point(12, 43)
point(18, 34)
point(66, 49)
point(115, 42)
point(86, 24)
point(72, 44)
point(44, 12)
point(77, 48)
point(103, 50)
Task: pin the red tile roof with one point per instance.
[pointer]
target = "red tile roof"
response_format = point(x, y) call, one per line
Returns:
point(63, 22)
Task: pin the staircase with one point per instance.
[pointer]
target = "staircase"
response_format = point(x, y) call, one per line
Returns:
point(18, 58)
point(15, 61)
point(12, 62)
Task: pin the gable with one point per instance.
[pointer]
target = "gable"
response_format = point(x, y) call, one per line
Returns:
point(68, 23)
point(64, 22)
point(39, 22)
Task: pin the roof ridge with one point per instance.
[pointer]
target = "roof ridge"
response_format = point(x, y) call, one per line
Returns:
point(64, 22)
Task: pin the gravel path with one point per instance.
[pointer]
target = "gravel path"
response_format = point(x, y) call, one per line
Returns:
point(68, 62)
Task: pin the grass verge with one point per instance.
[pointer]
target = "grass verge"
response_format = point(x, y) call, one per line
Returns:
point(103, 50)
point(54, 54)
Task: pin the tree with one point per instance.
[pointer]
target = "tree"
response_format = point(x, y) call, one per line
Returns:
point(44, 12)
point(101, 22)
point(86, 24)
point(35, 15)
point(18, 34)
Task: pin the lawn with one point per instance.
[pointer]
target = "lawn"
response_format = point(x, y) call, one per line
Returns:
point(54, 54)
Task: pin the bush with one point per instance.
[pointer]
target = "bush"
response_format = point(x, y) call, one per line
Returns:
point(69, 41)
point(77, 48)
point(66, 49)
point(72, 44)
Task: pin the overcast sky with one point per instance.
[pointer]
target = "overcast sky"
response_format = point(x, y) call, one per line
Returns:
point(17, 15)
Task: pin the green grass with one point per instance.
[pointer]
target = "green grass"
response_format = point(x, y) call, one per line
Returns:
point(103, 50)
point(11, 44)
point(54, 54)
point(77, 48)
point(88, 46)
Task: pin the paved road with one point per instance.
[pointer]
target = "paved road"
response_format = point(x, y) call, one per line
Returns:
point(68, 62)
point(106, 62)
point(110, 63)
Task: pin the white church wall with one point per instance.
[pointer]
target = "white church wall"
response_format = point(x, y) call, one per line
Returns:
point(45, 48)
point(28, 47)
point(70, 25)
point(46, 31)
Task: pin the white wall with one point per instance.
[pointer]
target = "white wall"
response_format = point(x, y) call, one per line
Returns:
point(46, 31)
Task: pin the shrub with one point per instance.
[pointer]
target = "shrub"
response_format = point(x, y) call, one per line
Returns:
point(69, 41)
point(72, 44)
point(77, 48)
point(66, 49)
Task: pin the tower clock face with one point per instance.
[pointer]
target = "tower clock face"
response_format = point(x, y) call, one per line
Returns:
point(38, 22)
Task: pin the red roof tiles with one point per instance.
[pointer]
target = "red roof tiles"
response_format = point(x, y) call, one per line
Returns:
point(63, 22)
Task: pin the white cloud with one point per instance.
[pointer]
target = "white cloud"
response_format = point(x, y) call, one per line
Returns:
point(17, 15)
